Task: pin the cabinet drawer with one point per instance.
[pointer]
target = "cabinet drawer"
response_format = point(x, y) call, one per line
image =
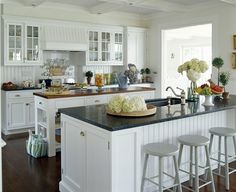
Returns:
point(41, 103)
point(20, 94)
point(72, 102)
point(96, 100)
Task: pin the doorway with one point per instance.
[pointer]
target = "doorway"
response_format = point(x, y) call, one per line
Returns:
point(180, 45)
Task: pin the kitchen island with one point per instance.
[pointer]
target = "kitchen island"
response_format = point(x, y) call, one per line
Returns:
point(47, 120)
point(103, 153)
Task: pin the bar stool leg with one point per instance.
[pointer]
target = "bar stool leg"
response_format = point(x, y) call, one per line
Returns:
point(191, 167)
point(160, 174)
point(177, 178)
point(180, 154)
point(209, 169)
point(234, 144)
point(196, 170)
point(226, 166)
point(210, 148)
point(219, 155)
point(144, 171)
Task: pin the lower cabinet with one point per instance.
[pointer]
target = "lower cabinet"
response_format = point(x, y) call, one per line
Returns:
point(85, 169)
point(18, 111)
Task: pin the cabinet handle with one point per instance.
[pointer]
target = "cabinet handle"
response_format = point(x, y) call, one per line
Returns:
point(17, 95)
point(82, 134)
point(40, 103)
point(96, 101)
point(27, 104)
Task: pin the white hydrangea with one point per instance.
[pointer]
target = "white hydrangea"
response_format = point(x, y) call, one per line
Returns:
point(193, 75)
point(116, 103)
point(193, 69)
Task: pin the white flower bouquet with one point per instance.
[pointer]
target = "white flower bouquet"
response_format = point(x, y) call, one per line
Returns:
point(193, 69)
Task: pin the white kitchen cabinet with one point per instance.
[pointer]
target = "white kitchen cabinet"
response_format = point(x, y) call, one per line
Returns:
point(105, 47)
point(137, 46)
point(46, 109)
point(92, 149)
point(18, 107)
point(21, 43)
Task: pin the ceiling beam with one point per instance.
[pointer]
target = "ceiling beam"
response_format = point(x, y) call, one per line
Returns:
point(104, 8)
point(232, 2)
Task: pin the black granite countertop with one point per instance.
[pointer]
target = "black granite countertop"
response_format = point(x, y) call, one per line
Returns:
point(96, 114)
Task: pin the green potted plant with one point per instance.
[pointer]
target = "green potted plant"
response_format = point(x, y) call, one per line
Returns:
point(224, 80)
point(148, 78)
point(142, 72)
point(89, 75)
point(218, 63)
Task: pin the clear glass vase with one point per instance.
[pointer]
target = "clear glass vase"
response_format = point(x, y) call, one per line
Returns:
point(192, 95)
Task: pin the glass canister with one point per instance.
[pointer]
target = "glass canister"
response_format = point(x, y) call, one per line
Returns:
point(99, 80)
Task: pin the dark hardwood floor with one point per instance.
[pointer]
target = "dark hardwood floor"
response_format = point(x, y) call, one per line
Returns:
point(23, 173)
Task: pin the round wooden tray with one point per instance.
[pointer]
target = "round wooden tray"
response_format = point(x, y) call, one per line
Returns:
point(151, 110)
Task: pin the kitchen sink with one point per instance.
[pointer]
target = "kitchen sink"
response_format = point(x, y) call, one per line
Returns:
point(164, 101)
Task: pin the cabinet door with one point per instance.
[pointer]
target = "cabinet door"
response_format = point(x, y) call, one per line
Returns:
point(106, 46)
point(16, 114)
point(32, 46)
point(14, 43)
point(136, 50)
point(93, 46)
point(118, 48)
point(98, 162)
point(30, 112)
point(73, 156)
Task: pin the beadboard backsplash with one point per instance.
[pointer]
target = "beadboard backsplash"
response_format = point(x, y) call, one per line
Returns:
point(18, 74)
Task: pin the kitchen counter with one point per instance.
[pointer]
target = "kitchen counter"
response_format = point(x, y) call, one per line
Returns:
point(94, 92)
point(109, 149)
point(96, 115)
point(22, 89)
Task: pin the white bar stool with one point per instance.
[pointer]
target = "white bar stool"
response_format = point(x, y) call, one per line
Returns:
point(226, 133)
point(161, 150)
point(195, 141)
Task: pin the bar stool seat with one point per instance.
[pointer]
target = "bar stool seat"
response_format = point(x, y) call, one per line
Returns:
point(224, 132)
point(161, 150)
point(194, 142)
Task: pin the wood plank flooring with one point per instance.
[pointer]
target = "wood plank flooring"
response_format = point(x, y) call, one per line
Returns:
point(22, 173)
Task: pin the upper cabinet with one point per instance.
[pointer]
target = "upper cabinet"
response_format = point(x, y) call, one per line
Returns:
point(137, 46)
point(105, 47)
point(21, 43)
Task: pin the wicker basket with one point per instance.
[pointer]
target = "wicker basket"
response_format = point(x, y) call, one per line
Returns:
point(57, 71)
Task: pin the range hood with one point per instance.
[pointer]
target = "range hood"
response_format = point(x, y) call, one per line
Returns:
point(66, 38)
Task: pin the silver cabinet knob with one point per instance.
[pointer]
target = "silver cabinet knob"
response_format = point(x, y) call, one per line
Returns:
point(82, 133)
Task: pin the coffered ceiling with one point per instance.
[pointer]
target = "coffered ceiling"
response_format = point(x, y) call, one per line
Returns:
point(143, 7)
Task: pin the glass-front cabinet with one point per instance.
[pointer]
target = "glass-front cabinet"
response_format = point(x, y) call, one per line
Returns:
point(22, 44)
point(105, 48)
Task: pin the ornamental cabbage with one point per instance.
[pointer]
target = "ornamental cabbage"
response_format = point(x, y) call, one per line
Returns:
point(125, 104)
point(116, 102)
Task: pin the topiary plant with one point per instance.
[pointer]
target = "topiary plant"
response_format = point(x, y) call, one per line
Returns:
point(89, 74)
point(218, 63)
point(224, 78)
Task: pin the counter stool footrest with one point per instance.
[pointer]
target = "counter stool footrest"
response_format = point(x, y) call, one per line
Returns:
point(164, 188)
point(153, 177)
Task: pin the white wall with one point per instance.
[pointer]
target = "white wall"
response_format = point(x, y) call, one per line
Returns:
point(224, 27)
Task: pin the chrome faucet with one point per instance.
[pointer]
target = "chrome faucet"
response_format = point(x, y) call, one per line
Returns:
point(182, 94)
